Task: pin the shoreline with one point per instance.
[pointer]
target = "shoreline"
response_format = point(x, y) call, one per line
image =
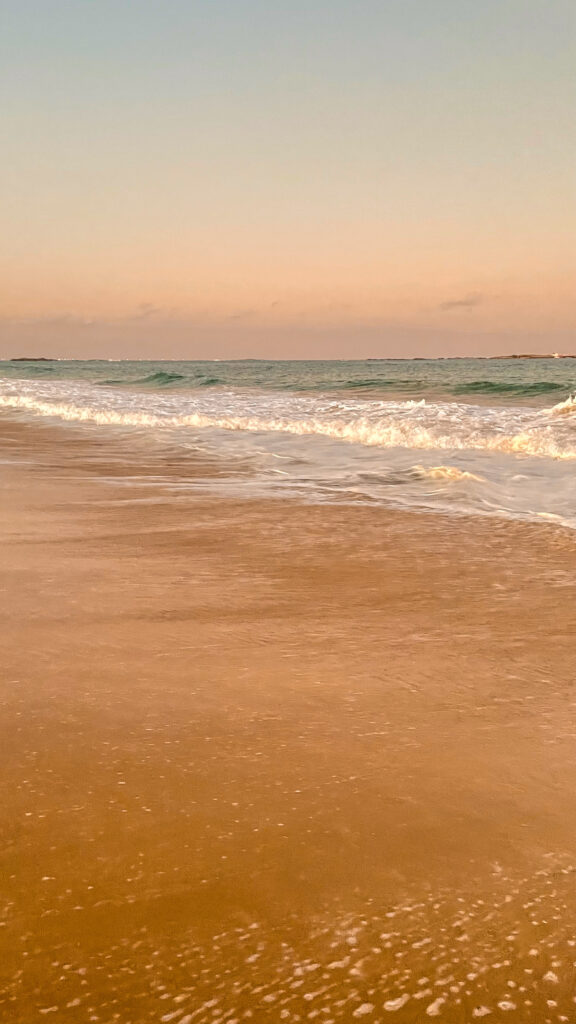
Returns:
point(498, 479)
point(265, 359)
point(274, 721)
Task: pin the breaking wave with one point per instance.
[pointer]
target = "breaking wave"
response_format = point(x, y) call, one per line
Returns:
point(385, 424)
point(565, 408)
point(488, 459)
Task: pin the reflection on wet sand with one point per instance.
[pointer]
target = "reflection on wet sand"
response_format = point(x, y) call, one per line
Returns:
point(267, 761)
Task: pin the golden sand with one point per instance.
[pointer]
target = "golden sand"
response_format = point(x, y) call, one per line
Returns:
point(267, 761)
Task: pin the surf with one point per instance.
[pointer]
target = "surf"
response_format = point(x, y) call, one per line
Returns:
point(411, 424)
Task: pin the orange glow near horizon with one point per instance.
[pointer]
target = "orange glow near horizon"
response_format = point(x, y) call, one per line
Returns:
point(386, 172)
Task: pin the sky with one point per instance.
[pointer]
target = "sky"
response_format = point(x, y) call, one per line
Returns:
point(287, 178)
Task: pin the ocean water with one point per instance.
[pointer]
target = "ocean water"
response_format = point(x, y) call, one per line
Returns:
point(490, 437)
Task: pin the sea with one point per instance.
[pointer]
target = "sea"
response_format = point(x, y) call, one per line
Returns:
point(490, 437)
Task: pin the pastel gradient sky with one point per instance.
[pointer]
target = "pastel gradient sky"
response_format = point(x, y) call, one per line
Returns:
point(287, 178)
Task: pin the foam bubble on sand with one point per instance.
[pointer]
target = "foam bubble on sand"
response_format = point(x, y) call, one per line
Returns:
point(435, 1008)
point(396, 1004)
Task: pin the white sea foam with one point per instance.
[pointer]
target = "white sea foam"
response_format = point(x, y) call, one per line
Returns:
point(417, 425)
point(343, 446)
point(565, 408)
point(446, 473)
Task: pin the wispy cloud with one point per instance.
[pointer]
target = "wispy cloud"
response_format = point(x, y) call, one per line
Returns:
point(243, 314)
point(469, 302)
point(63, 320)
point(145, 312)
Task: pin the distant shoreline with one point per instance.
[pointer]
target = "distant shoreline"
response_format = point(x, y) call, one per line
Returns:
point(366, 359)
point(527, 355)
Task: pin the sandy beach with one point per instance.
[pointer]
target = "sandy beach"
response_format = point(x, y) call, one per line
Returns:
point(271, 761)
point(288, 512)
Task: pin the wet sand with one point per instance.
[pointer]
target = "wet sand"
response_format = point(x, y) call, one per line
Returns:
point(267, 761)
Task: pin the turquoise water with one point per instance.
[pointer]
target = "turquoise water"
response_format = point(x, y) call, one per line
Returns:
point(489, 437)
point(517, 378)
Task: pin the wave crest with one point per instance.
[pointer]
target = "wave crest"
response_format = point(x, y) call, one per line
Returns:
point(412, 425)
point(565, 408)
point(496, 387)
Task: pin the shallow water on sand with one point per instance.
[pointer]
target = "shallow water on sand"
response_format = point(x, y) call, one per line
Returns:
point(495, 438)
point(268, 761)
